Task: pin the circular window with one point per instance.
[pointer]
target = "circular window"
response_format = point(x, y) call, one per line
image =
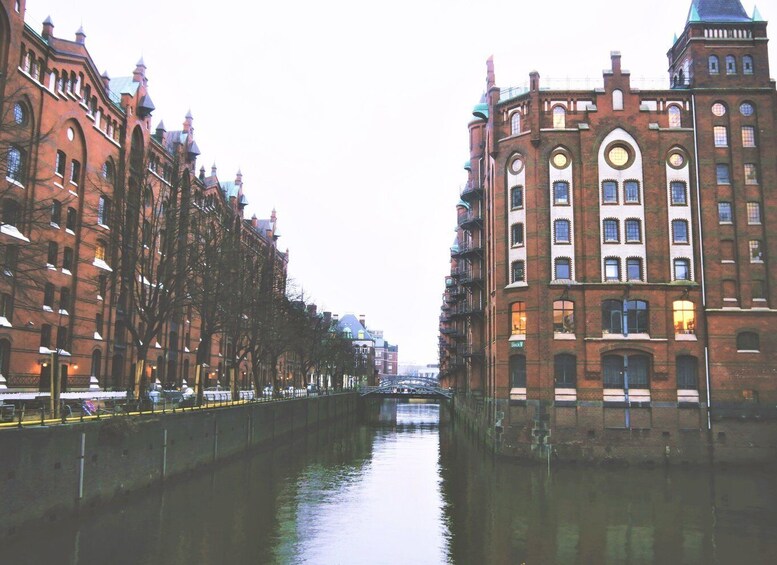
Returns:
point(718, 109)
point(19, 114)
point(746, 109)
point(676, 160)
point(619, 156)
point(560, 160)
point(516, 164)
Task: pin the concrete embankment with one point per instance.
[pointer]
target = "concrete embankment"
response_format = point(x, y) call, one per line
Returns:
point(48, 473)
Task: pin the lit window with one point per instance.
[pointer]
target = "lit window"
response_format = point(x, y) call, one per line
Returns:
point(515, 123)
point(725, 215)
point(618, 156)
point(563, 269)
point(633, 231)
point(751, 174)
point(99, 250)
point(713, 64)
point(564, 316)
point(747, 65)
point(748, 136)
point(731, 65)
point(561, 229)
point(721, 136)
point(518, 273)
point(679, 231)
point(633, 269)
point(682, 270)
point(722, 173)
point(753, 213)
point(719, 109)
point(565, 371)
point(560, 160)
point(675, 117)
point(631, 192)
point(561, 193)
point(678, 194)
point(684, 317)
point(517, 234)
point(559, 117)
point(516, 197)
point(609, 192)
point(686, 368)
point(676, 160)
point(518, 318)
point(756, 253)
point(610, 231)
point(612, 269)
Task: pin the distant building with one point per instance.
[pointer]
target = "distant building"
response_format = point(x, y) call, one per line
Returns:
point(363, 350)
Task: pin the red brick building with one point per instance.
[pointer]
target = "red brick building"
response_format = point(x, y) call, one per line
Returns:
point(614, 276)
point(75, 145)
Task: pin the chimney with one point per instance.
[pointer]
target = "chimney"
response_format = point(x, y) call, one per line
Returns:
point(534, 81)
point(363, 320)
point(254, 221)
point(490, 77)
point(336, 317)
point(202, 173)
point(615, 57)
point(106, 80)
point(327, 319)
point(80, 36)
point(48, 28)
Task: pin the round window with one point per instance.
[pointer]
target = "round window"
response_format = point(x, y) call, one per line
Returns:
point(70, 134)
point(746, 109)
point(516, 164)
point(560, 160)
point(718, 109)
point(676, 160)
point(619, 156)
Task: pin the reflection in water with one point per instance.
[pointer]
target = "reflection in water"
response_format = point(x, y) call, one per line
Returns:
point(411, 493)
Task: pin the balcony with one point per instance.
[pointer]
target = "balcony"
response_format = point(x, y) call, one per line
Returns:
point(472, 219)
point(470, 310)
point(472, 351)
point(471, 191)
point(469, 248)
point(471, 279)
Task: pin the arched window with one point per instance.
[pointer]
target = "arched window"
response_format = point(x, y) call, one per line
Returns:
point(515, 123)
point(565, 370)
point(617, 99)
point(713, 64)
point(684, 317)
point(731, 65)
point(96, 362)
point(559, 117)
point(518, 318)
point(675, 117)
point(15, 164)
point(748, 341)
point(564, 316)
point(620, 371)
point(747, 65)
point(686, 368)
point(517, 371)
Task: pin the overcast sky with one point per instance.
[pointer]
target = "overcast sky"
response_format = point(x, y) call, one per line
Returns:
point(350, 117)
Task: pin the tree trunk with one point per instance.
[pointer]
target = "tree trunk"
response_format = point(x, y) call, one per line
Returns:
point(233, 384)
point(198, 389)
point(140, 369)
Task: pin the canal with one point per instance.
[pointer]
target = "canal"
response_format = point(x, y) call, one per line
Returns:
point(414, 492)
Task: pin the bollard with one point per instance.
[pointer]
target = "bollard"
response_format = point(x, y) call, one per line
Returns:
point(21, 415)
point(42, 415)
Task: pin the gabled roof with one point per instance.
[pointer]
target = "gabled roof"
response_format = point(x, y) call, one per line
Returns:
point(349, 321)
point(721, 11)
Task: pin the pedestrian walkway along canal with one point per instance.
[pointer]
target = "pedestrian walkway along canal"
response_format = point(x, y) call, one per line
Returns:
point(415, 492)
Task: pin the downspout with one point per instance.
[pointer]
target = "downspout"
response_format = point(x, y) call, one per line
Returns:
point(701, 260)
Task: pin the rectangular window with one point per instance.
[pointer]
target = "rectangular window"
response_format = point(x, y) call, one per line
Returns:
point(48, 296)
point(518, 318)
point(725, 215)
point(722, 173)
point(756, 254)
point(15, 164)
point(679, 231)
point(59, 167)
point(634, 269)
point(751, 174)
point(45, 335)
point(633, 231)
point(563, 269)
point(98, 324)
point(753, 213)
point(103, 210)
point(51, 259)
point(610, 231)
point(67, 259)
point(759, 289)
point(56, 212)
point(517, 234)
point(631, 192)
point(609, 192)
point(75, 171)
point(682, 270)
point(561, 228)
point(720, 135)
point(748, 136)
point(102, 285)
point(561, 193)
point(678, 194)
point(612, 269)
point(70, 219)
point(516, 197)
point(62, 338)
point(518, 271)
point(64, 299)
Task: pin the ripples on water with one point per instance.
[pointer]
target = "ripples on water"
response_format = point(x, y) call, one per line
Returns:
point(411, 493)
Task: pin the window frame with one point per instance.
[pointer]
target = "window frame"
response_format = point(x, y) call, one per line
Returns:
point(561, 198)
point(565, 370)
point(673, 185)
point(610, 263)
point(611, 226)
point(568, 234)
point(680, 236)
point(558, 262)
point(631, 222)
point(563, 316)
point(518, 318)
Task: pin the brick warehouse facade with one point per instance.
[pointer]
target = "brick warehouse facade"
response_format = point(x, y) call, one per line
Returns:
point(78, 146)
point(613, 280)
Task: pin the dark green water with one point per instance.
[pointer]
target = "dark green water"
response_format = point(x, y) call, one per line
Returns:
point(417, 494)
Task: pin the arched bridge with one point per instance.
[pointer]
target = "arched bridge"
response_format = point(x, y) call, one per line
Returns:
point(407, 386)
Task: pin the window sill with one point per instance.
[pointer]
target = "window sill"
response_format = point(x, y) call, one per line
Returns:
point(685, 337)
point(103, 226)
point(71, 232)
point(564, 336)
point(520, 284)
point(748, 351)
point(97, 336)
point(47, 308)
point(10, 230)
point(630, 336)
point(53, 225)
point(14, 182)
point(4, 323)
point(517, 337)
point(67, 272)
point(100, 264)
